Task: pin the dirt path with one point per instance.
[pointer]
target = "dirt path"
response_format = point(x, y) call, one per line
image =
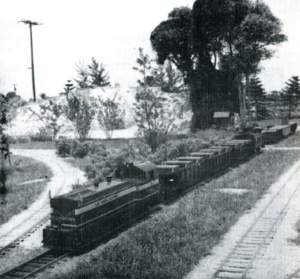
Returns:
point(64, 175)
point(281, 258)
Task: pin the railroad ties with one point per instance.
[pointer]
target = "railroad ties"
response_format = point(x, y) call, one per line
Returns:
point(260, 234)
point(7, 248)
point(28, 269)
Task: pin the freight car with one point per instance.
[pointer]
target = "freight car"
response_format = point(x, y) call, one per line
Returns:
point(274, 134)
point(178, 175)
point(89, 215)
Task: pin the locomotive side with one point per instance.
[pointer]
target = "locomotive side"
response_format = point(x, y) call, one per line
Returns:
point(89, 215)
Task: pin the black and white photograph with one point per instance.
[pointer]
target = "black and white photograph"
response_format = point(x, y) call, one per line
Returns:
point(150, 139)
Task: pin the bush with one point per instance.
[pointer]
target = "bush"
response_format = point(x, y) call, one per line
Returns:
point(78, 150)
point(43, 135)
point(19, 139)
point(3, 179)
point(96, 147)
point(63, 147)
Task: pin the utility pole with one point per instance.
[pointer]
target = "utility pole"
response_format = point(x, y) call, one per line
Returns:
point(30, 23)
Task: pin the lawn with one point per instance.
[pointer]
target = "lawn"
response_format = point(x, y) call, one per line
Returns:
point(19, 197)
point(169, 243)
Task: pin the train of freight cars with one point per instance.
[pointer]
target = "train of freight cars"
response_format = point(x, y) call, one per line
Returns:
point(87, 216)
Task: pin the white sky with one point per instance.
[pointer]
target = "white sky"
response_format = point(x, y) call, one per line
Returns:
point(111, 31)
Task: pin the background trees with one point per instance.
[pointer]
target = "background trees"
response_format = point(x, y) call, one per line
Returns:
point(78, 110)
point(291, 95)
point(109, 114)
point(258, 98)
point(216, 45)
point(155, 112)
point(92, 75)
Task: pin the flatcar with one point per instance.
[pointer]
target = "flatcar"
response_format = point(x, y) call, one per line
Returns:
point(89, 215)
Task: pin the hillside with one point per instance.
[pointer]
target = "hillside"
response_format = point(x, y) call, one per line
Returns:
point(27, 123)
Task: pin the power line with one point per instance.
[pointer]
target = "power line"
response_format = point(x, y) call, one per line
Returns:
point(30, 23)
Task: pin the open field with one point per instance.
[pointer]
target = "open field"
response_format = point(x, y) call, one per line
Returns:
point(19, 197)
point(169, 243)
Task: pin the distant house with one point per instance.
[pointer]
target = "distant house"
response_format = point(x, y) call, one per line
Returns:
point(222, 118)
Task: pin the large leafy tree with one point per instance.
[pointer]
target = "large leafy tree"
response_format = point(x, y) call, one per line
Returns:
point(291, 95)
point(216, 45)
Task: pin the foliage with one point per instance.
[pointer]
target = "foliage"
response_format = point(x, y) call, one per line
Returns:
point(19, 197)
point(154, 117)
point(78, 111)
point(291, 95)
point(109, 114)
point(43, 135)
point(63, 147)
point(144, 68)
point(258, 98)
point(78, 150)
point(167, 78)
point(50, 114)
point(43, 96)
point(275, 108)
point(173, 83)
point(234, 33)
point(5, 108)
point(9, 105)
point(92, 75)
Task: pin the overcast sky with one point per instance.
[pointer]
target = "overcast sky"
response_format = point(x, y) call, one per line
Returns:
point(111, 31)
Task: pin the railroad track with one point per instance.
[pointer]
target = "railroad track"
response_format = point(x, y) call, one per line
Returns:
point(257, 238)
point(5, 250)
point(33, 266)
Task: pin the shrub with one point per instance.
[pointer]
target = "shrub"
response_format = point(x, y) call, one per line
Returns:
point(19, 139)
point(43, 135)
point(78, 149)
point(96, 147)
point(63, 147)
point(90, 171)
point(3, 179)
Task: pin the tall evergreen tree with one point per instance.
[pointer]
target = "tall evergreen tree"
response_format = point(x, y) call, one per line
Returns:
point(275, 108)
point(291, 95)
point(258, 98)
point(97, 73)
point(92, 75)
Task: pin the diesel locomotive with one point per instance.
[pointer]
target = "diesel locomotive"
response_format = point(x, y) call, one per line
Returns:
point(87, 216)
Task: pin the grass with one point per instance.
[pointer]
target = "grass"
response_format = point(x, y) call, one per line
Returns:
point(33, 145)
point(291, 141)
point(17, 256)
point(19, 197)
point(169, 243)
